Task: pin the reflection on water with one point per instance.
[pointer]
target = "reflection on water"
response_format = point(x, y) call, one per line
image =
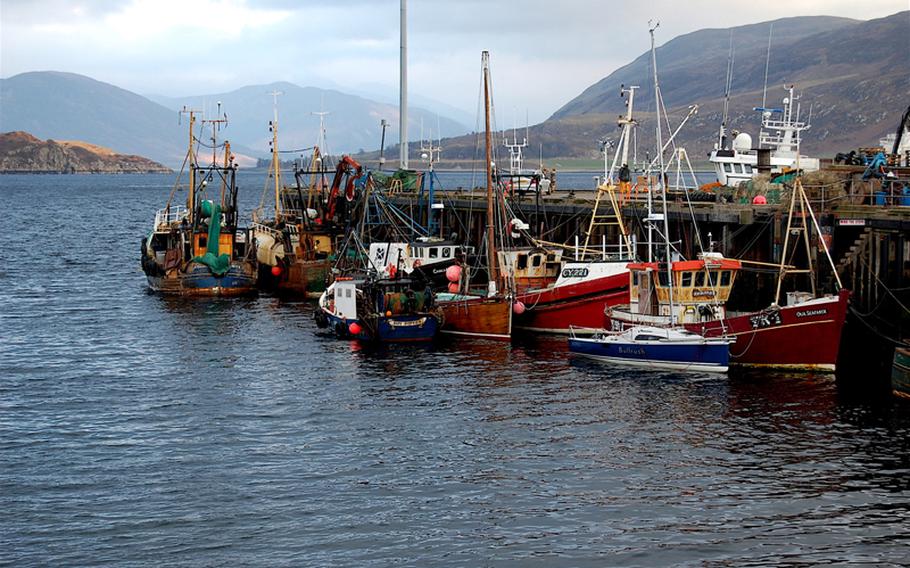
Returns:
point(136, 429)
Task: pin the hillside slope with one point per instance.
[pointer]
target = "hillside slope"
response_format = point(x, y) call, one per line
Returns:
point(853, 76)
point(20, 152)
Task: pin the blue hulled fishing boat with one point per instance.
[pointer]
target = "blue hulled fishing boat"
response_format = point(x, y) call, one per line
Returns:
point(386, 311)
point(199, 250)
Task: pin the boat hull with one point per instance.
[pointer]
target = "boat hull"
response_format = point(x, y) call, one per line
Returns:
point(803, 337)
point(198, 280)
point(900, 372)
point(702, 356)
point(556, 309)
point(412, 328)
point(302, 278)
point(473, 316)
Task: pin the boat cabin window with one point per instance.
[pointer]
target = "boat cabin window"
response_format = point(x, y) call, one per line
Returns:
point(686, 279)
point(748, 168)
point(725, 278)
point(551, 258)
point(699, 278)
point(728, 168)
point(347, 293)
point(662, 278)
point(647, 337)
point(434, 252)
point(446, 252)
point(522, 262)
point(635, 279)
point(535, 260)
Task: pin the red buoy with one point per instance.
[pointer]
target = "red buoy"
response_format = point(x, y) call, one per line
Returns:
point(453, 287)
point(276, 271)
point(518, 308)
point(355, 328)
point(453, 273)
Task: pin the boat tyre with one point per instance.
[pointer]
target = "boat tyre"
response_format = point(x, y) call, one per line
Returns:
point(341, 330)
point(322, 321)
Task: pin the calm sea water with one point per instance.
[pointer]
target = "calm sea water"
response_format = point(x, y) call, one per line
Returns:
point(138, 430)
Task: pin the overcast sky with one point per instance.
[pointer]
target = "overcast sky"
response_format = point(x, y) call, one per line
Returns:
point(543, 52)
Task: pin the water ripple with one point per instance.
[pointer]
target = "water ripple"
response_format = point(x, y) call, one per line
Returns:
point(139, 430)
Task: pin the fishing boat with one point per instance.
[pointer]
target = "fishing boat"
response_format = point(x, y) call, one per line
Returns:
point(199, 249)
point(295, 246)
point(379, 310)
point(778, 141)
point(900, 372)
point(518, 179)
point(486, 315)
point(801, 334)
point(656, 348)
point(426, 258)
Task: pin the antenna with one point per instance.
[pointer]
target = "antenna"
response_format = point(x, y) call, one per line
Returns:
point(764, 92)
point(722, 139)
point(276, 162)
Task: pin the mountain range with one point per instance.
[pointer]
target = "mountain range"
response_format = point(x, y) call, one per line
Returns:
point(51, 104)
point(853, 78)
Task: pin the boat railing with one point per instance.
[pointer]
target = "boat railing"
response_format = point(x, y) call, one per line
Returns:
point(273, 232)
point(164, 218)
point(575, 330)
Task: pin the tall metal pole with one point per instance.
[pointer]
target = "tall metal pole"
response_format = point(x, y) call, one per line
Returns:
point(403, 88)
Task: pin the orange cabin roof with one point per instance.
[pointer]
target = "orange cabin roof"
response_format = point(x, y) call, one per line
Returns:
point(683, 265)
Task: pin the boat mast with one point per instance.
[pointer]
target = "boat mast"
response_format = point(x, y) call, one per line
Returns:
point(191, 157)
point(227, 163)
point(492, 261)
point(403, 89)
point(275, 161)
point(625, 137)
point(661, 184)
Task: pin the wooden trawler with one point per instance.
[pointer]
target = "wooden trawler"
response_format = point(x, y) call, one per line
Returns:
point(294, 247)
point(487, 314)
point(199, 250)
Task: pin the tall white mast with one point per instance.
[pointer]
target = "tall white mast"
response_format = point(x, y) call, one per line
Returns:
point(403, 88)
point(661, 184)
